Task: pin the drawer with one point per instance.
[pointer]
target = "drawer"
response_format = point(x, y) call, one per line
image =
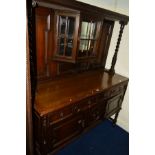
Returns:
point(103, 96)
point(84, 104)
point(96, 113)
point(92, 101)
point(116, 90)
point(60, 114)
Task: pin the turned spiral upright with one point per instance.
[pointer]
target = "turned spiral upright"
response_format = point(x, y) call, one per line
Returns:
point(114, 59)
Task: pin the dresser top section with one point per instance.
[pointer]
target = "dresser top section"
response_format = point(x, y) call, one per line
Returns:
point(55, 94)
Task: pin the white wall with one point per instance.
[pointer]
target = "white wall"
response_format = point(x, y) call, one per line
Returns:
point(120, 6)
point(122, 65)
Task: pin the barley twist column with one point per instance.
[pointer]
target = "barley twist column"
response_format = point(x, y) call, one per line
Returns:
point(114, 59)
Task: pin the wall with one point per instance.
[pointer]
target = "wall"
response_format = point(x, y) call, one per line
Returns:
point(122, 65)
point(120, 6)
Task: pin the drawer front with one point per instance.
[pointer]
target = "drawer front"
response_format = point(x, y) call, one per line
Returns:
point(103, 96)
point(60, 114)
point(84, 104)
point(65, 130)
point(92, 101)
point(113, 105)
point(95, 113)
point(110, 93)
point(116, 90)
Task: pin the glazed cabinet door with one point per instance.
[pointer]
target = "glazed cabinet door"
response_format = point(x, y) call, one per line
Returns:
point(66, 32)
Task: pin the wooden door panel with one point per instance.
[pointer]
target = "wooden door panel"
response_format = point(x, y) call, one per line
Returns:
point(43, 27)
point(113, 105)
point(65, 130)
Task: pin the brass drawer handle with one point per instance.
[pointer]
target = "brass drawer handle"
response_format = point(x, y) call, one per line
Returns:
point(82, 122)
point(61, 114)
point(97, 117)
point(79, 121)
point(76, 109)
point(44, 142)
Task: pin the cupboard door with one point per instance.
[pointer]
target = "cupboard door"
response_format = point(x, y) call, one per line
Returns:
point(65, 130)
point(113, 105)
point(66, 32)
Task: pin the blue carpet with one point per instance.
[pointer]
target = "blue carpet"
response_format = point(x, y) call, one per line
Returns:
point(104, 139)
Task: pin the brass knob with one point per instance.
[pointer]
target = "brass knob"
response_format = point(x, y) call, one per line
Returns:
point(97, 117)
point(76, 109)
point(44, 141)
point(80, 121)
point(61, 114)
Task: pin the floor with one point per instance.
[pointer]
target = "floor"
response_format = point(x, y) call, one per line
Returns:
point(104, 139)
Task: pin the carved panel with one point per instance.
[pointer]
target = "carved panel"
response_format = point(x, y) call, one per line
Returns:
point(113, 105)
point(43, 27)
point(65, 130)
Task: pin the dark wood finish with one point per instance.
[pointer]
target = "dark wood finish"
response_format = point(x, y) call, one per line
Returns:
point(47, 68)
point(72, 94)
point(83, 7)
point(43, 41)
point(46, 39)
point(30, 76)
point(60, 119)
point(105, 41)
point(44, 23)
point(29, 124)
point(66, 87)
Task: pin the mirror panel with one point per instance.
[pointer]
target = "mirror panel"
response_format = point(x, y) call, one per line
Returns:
point(70, 28)
point(62, 25)
point(69, 47)
point(88, 39)
point(61, 46)
point(83, 48)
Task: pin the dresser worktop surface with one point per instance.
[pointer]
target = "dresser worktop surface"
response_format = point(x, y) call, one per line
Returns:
point(55, 94)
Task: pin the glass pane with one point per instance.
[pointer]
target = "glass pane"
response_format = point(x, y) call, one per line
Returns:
point(60, 46)
point(93, 31)
point(84, 30)
point(69, 47)
point(71, 25)
point(83, 48)
point(88, 30)
point(62, 24)
point(91, 48)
